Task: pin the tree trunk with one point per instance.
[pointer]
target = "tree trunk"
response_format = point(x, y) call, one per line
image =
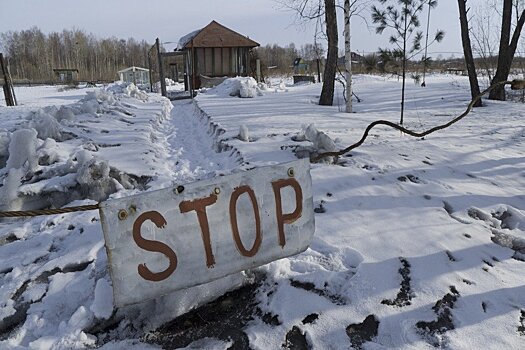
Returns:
point(327, 93)
point(404, 66)
point(467, 52)
point(507, 49)
point(348, 58)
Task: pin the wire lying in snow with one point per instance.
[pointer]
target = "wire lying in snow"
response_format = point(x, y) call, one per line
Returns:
point(17, 214)
point(514, 84)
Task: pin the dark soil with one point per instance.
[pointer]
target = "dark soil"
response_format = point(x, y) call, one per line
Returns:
point(224, 319)
point(336, 299)
point(404, 296)
point(310, 318)
point(443, 323)
point(296, 340)
point(360, 333)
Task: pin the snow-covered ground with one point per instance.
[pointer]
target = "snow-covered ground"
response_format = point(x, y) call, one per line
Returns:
point(419, 242)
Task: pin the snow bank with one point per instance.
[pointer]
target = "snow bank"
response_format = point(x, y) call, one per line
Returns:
point(321, 143)
point(244, 87)
point(56, 155)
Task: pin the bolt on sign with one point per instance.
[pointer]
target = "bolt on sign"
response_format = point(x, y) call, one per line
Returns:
point(175, 238)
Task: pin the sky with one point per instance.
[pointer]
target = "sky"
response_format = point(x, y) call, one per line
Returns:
point(265, 21)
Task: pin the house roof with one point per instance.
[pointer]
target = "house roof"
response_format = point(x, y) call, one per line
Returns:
point(133, 68)
point(215, 35)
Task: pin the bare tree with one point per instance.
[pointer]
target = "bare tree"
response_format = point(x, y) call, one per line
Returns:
point(327, 92)
point(467, 52)
point(307, 10)
point(485, 41)
point(507, 46)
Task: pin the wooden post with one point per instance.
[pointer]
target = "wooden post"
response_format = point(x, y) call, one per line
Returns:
point(161, 70)
point(191, 82)
point(150, 75)
point(186, 74)
point(258, 68)
point(318, 71)
point(8, 85)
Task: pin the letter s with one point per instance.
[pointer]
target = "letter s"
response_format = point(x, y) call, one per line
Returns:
point(153, 246)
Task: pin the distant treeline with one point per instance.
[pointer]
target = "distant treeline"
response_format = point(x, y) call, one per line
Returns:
point(33, 55)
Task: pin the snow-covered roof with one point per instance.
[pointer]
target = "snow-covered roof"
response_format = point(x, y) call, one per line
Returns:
point(133, 68)
point(187, 38)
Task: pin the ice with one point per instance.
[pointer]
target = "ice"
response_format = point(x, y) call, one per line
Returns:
point(22, 150)
point(102, 306)
point(94, 180)
point(46, 125)
point(244, 134)
point(90, 106)
point(65, 113)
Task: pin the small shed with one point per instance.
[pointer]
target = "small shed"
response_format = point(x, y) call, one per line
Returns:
point(66, 75)
point(216, 51)
point(300, 66)
point(135, 75)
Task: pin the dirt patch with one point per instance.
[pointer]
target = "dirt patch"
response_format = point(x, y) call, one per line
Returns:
point(404, 296)
point(434, 330)
point(521, 327)
point(336, 299)
point(409, 177)
point(296, 340)
point(224, 319)
point(361, 333)
point(310, 318)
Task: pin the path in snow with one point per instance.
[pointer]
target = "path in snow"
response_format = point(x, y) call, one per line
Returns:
point(190, 148)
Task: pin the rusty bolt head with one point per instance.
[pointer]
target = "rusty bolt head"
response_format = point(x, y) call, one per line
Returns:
point(291, 172)
point(122, 214)
point(217, 190)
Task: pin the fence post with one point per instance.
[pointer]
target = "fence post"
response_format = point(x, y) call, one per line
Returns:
point(9, 93)
point(150, 75)
point(161, 70)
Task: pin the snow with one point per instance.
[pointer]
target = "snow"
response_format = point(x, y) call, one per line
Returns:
point(426, 236)
point(244, 87)
point(187, 38)
point(102, 306)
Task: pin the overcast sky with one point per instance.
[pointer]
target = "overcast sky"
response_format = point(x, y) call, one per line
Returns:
point(264, 21)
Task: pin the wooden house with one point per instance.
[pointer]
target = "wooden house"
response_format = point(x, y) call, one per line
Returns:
point(66, 75)
point(216, 51)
